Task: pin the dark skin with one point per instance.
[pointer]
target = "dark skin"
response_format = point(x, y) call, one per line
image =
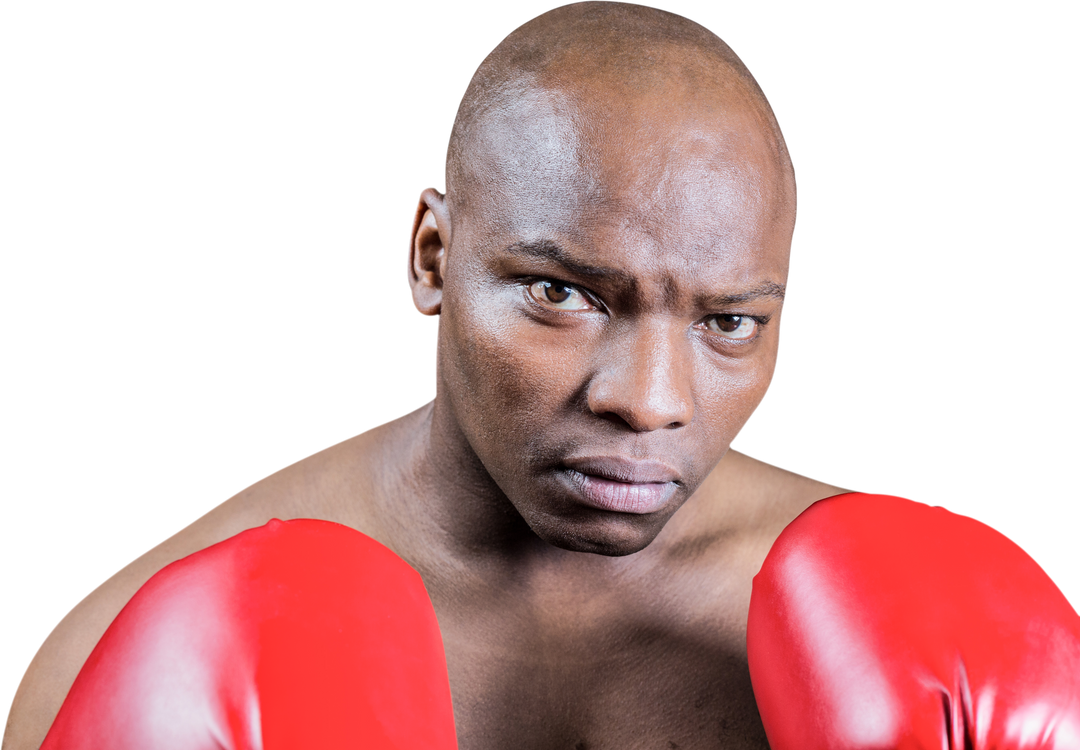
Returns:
point(630, 364)
point(608, 264)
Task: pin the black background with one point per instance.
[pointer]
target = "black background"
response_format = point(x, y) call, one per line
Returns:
point(217, 212)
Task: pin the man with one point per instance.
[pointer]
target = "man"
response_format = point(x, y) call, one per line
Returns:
point(609, 263)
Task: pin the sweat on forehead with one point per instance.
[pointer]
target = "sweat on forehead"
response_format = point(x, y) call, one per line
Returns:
point(599, 60)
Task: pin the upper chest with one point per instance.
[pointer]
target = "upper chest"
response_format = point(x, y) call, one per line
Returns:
point(634, 661)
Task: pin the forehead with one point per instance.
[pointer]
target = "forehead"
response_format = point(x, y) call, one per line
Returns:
point(664, 177)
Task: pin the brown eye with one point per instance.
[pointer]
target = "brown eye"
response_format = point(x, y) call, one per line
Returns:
point(557, 293)
point(559, 296)
point(738, 327)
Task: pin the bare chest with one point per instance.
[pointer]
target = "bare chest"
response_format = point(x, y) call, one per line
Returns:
point(599, 678)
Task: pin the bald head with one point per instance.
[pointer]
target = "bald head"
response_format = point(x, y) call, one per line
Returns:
point(591, 63)
point(608, 262)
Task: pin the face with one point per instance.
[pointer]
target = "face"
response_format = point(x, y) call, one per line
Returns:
point(611, 298)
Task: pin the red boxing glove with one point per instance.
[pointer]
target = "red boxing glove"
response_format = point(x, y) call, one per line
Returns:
point(877, 622)
point(298, 634)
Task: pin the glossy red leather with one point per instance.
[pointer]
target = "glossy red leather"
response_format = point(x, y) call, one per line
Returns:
point(877, 622)
point(296, 634)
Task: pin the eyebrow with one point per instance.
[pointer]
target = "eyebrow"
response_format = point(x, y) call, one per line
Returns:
point(768, 289)
point(549, 250)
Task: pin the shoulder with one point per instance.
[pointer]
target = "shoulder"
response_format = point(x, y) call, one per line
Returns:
point(716, 543)
point(64, 652)
point(324, 486)
point(282, 572)
point(261, 561)
point(739, 511)
point(244, 628)
point(756, 498)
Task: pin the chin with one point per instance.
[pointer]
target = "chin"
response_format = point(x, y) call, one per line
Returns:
point(612, 534)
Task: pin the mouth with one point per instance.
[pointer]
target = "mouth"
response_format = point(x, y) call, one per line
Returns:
point(620, 484)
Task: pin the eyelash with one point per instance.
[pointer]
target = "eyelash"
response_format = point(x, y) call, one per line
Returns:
point(528, 281)
point(760, 320)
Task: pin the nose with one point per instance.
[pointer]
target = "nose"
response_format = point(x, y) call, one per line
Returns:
point(645, 378)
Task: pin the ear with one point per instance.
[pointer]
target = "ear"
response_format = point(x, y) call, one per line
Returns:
point(427, 255)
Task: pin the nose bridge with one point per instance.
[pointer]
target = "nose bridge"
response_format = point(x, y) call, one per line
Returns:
point(645, 377)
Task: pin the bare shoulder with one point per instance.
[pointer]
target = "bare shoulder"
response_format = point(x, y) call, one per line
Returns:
point(768, 497)
point(740, 509)
point(326, 485)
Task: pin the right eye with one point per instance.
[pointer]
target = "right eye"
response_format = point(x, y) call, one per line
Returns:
point(556, 295)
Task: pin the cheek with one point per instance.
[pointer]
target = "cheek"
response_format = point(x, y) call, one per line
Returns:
point(505, 374)
point(727, 394)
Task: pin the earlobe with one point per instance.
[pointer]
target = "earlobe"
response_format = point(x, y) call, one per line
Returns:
point(427, 254)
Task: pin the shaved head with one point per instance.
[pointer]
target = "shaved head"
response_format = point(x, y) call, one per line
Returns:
point(609, 263)
point(596, 60)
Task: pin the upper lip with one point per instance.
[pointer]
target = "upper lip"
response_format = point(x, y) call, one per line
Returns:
point(624, 469)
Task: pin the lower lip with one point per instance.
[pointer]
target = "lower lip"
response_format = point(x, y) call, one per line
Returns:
point(621, 497)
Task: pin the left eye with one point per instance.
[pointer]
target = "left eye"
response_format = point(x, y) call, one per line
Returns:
point(558, 296)
point(737, 327)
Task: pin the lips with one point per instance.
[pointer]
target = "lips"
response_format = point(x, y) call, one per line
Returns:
point(621, 469)
point(620, 484)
